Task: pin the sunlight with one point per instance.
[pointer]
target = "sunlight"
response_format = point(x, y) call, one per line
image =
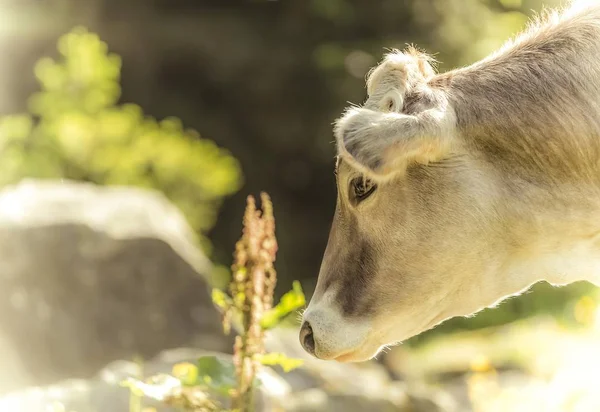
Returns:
point(566, 372)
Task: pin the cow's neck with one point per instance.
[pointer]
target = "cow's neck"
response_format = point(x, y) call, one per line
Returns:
point(556, 231)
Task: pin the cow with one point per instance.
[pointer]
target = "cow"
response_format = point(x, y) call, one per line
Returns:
point(456, 190)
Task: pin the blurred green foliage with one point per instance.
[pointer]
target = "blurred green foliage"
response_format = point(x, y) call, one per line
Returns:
point(289, 303)
point(75, 129)
point(558, 302)
point(217, 374)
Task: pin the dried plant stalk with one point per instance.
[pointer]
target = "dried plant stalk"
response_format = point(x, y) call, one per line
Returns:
point(252, 288)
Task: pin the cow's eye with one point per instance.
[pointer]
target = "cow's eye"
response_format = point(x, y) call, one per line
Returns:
point(361, 188)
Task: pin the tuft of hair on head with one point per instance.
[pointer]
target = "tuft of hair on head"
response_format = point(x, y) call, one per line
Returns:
point(427, 63)
point(401, 69)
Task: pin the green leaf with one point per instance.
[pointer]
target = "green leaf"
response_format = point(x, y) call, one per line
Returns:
point(217, 374)
point(186, 372)
point(290, 302)
point(280, 359)
point(221, 299)
point(16, 127)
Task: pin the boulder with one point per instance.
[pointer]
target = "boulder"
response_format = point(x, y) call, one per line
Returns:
point(90, 274)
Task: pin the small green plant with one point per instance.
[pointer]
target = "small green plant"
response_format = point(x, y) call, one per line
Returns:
point(247, 308)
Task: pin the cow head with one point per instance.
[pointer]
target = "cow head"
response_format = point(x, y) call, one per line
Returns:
point(409, 250)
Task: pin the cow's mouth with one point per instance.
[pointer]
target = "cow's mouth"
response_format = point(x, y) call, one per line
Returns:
point(362, 353)
point(347, 358)
point(372, 347)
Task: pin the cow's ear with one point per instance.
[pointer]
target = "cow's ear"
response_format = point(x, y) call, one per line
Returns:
point(383, 144)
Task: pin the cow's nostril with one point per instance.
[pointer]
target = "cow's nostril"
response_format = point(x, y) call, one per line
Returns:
point(307, 338)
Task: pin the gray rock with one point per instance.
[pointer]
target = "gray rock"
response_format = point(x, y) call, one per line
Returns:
point(103, 393)
point(318, 400)
point(89, 275)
